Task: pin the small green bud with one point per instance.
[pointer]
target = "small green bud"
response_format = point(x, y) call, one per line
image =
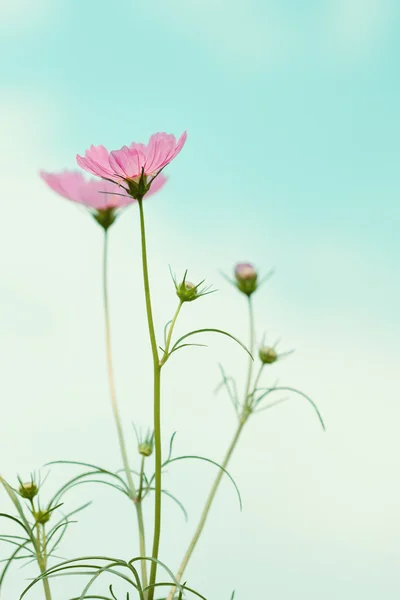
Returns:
point(246, 278)
point(145, 448)
point(187, 291)
point(268, 355)
point(41, 516)
point(28, 490)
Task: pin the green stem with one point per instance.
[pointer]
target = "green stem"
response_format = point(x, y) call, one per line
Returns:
point(140, 492)
point(117, 417)
point(251, 348)
point(157, 407)
point(242, 420)
point(41, 557)
point(169, 337)
point(46, 584)
point(250, 398)
point(207, 507)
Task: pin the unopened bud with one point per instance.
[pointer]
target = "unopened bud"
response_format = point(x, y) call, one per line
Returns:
point(41, 516)
point(28, 490)
point(187, 291)
point(268, 355)
point(246, 278)
point(145, 448)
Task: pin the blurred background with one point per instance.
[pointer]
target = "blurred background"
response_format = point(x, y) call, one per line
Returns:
point(292, 113)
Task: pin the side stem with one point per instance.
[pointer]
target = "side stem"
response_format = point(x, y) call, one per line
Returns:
point(157, 407)
point(207, 507)
point(242, 420)
point(251, 344)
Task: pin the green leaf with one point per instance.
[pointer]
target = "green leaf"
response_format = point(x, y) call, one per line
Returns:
point(66, 565)
point(169, 584)
point(9, 560)
point(158, 562)
point(233, 394)
point(178, 502)
point(210, 330)
point(213, 463)
point(109, 568)
point(290, 389)
point(174, 349)
point(98, 597)
point(6, 516)
point(97, 470)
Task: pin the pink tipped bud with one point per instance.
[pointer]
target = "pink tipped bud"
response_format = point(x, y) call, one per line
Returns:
point(246, 278)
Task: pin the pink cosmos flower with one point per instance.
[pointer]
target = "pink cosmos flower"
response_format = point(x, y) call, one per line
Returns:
point(102, 198)
point(93, 193)
point(135, 163)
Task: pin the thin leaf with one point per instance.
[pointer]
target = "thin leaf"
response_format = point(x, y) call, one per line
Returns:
point(186, 346)
point(16, 521)
point(233, 395)
point(165, 331)
point(158, 562)
point(211, 330)
point(271, 405)
point(9, 561)
point(178, 502)
point(169, 584)
point(109, 568)
point(213, 463)
point(289, 389)
point(171, 441)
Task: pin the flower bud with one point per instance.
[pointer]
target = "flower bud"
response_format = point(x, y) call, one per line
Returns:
point(41, 516)
point(268, 355)
point(246, 278)
point(145, 448)
point(28, 490)
point(187, 291)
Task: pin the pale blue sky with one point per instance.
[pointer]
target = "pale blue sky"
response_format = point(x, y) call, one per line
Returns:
point(292, 113)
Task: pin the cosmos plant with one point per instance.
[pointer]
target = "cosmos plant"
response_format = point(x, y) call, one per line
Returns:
point(121, 179)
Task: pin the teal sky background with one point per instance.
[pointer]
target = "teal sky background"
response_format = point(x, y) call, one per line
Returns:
point(292, 162)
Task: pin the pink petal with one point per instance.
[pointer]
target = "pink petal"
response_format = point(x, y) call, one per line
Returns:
point(127, 162)
point(96, 161)
point(160, 145)
point(93, 193)
point(162, 150)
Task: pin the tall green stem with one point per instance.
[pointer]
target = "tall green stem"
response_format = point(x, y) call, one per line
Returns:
point(46, 584)
point(117, 417)
point(251, 344)
point(242, 420)
point(42, 559)
point(157, 408)
point(207, 507)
